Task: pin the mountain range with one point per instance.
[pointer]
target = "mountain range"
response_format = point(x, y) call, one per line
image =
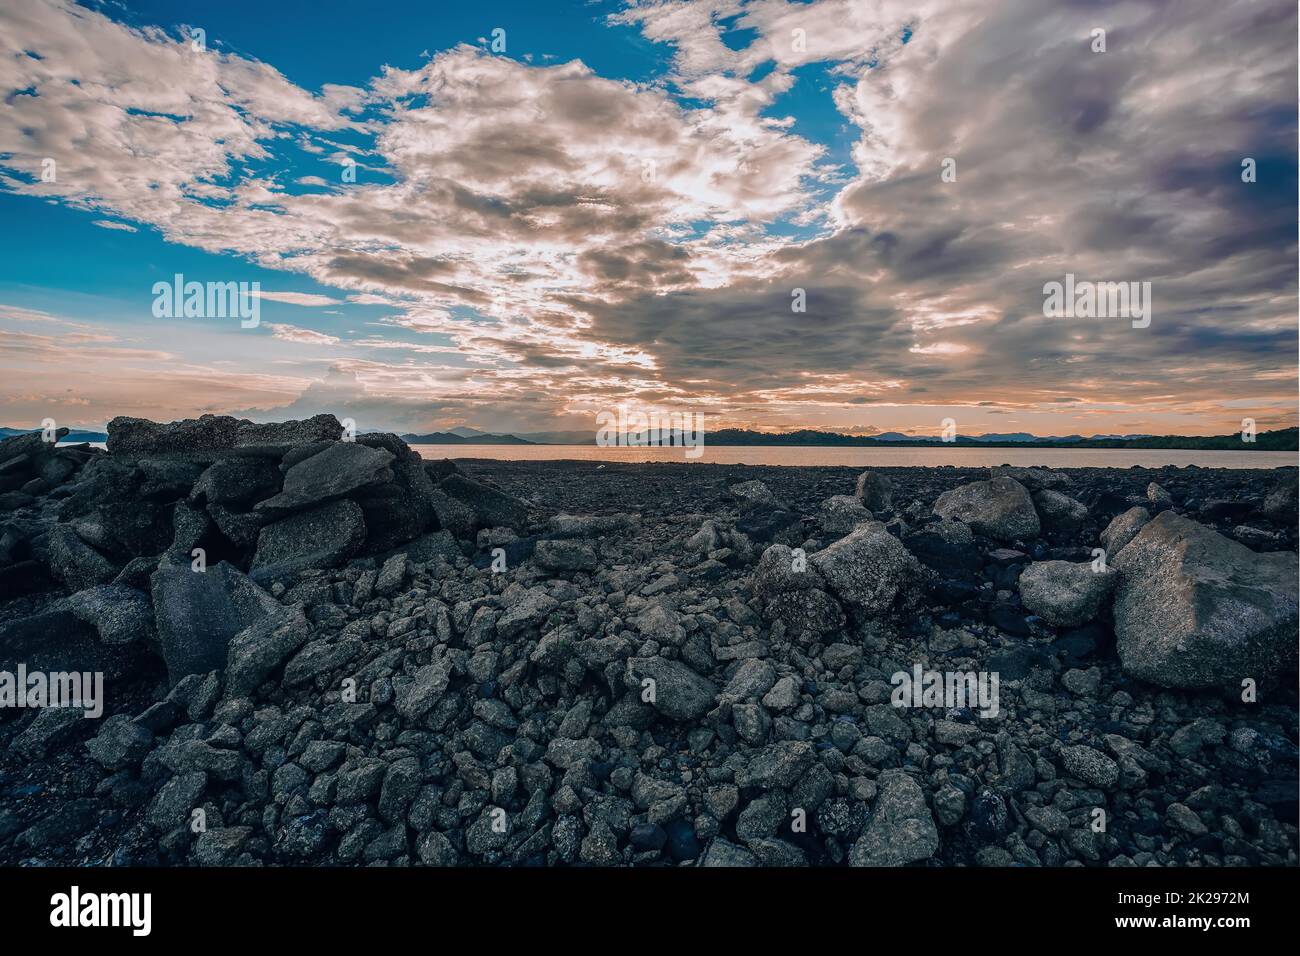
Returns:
point(1284, 439)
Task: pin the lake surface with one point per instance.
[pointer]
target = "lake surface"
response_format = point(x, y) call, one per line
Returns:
point(880, 457)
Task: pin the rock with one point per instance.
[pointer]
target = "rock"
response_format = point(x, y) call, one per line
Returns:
point(1122, 529)
point(795, 597)
point(1158, 497)
point(256, 651)
point(722, 853)
point(453, 515)
point(172, 804)
point(901, 829)
point(1034, 479)
point(1059, 511)
point(679, 692)
point(221, 846)
point(1065, 594)
point(207, 436)
point(562, 556)
point(492, 508)
point(121, 742)
point(121, 614)
point(593, 526)
point(323, 537)
point(417, 697)
point(1280, 503)
point(871, 572)
point(76, 563)
point(1000, 509)
point(779, 765)
point(198, 613)
point(339, 468)
point(875, 491)
point(1195, 609)
point(307, 431)
point(529, 609)
point(236, 482)
point(1091, 766)
point(840, 514)
point(754, 494)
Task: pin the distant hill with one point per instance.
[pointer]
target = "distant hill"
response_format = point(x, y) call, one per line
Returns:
point(1281, 440)
point(72, 436)
point(1285, 439)
point(451, 438)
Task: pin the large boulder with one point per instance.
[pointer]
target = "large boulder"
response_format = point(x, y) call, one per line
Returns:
point(870, 572)
point(795, 594)
point(337, 469)
point(1122, 529)
point(999, 508)
point(236, 482)
point(875, 491)
point(256, 652)
point(492, 508)
point(207, 436)
point(403, 509)
point(1058, 511)
point(840, 514)
point(198, 613)
point(1034, 479)
point(1063, 593)
point(76, 563)
point(1195, 609)
point(320, 538)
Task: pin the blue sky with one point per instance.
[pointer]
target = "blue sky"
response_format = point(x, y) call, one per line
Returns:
point(619, 206)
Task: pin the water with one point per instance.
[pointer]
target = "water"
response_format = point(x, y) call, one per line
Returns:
point(858, 457)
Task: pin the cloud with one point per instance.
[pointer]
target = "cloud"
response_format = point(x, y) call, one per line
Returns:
point(298, 298)
point(566, 240)
point(291, 333)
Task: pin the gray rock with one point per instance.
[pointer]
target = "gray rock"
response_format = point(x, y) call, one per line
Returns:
point(76, 563)
point(1000, 509)
point(778, 765)
point(417, 697)
point(493, 508)
point(172, 804)
point(753, 494)
point(840, 514)
point(1034, 479)
point(323, 537)
point(256, 651)
point(1063, 593)
point(121, 742)
point(561, 556)
point(198, 613)
point(1158, 497)
point(1195, 609)
point(679, 692)
point(1059, 511)
point(592, 526)
point(722, 853)
point(1091, 766)
point(208, 436)
point(875, 491)
point(335, 470)
point(870, 572)
point(1122, 529)
point(901, 829)
point(306, 431)
point(121, 614)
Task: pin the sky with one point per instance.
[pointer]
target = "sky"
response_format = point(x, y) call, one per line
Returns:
point(836, 214)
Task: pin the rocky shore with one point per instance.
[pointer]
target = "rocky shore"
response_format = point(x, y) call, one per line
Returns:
point(327, 651)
